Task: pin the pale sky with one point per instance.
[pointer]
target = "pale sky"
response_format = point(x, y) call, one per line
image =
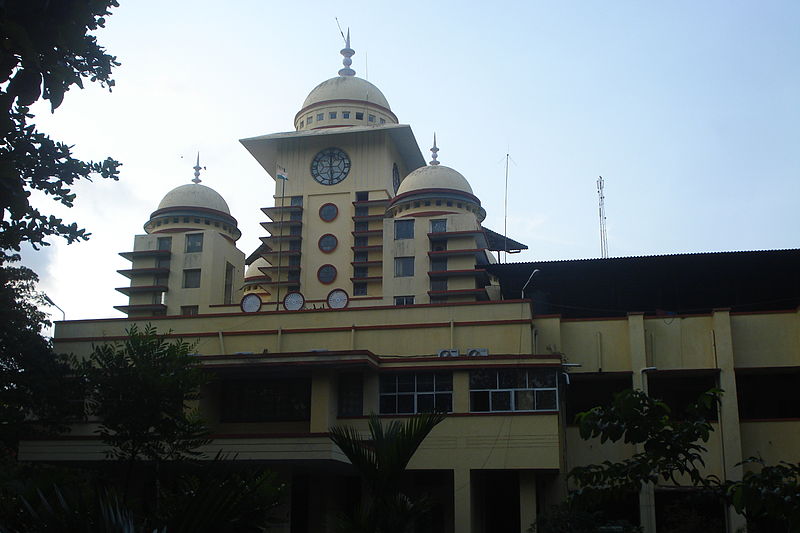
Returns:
point(689, 110)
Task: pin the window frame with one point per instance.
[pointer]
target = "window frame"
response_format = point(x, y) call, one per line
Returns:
point(191, 243)
point(403, 300)
point(191, 271)
point(402, 231)
point(416, 393)
point(512, 391)
point(401, 271)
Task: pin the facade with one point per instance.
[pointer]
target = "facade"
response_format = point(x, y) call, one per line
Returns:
point(376, 291)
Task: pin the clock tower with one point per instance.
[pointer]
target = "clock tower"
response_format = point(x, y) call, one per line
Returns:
point(335, 175)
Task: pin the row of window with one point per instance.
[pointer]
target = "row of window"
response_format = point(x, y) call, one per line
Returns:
point(333, 115)
point(193, 243)
point(404, 229)
point(197, 220)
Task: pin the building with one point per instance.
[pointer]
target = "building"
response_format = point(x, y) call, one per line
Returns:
point(376, 291)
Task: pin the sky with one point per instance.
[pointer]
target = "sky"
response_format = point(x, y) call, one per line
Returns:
point(689, 110)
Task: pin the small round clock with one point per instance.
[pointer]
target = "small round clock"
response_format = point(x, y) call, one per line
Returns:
point(330, 166)
point(338, 299)
point(251, 303)
point(395, 178)
point(293, 301)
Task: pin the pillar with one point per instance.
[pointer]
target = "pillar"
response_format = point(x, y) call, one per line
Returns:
point(462, 500)
point(527, 499)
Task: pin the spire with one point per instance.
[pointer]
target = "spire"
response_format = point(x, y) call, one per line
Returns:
point(347, 52)
point(197, 168)
point(434, 152)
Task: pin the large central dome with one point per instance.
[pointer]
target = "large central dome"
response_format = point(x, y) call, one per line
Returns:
point(346, 88)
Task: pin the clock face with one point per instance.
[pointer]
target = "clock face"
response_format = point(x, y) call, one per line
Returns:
point(330, 166)
point(251, 303)
point(293, 301)
point(338, 299)
point(395, 177)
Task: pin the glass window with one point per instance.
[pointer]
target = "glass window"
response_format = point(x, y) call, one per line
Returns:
point(189, 309)
point(362, 196)
point(361, 257)
point(229, 272)
point(403, 267)
point(361, 241)
point(328, 212)
point(309, 119)
point(359, 116)
point(345, 114)
point(360, 272)
point(371, 118)
point(403, 300)
point(438, 284)
point(383, 121)
point(513, 389)
point(302, 123)
point(438, 264)
point(351, 394)
point(328, 243)
point(362, 211)
point(296, 201)
point(320, 116)
point(294, 260)
point(194, 242)
point(359, 289)
point(403, 229)
point(326, 274)
point(361, 226)
point(165, 243)
point(294, 246)
point(416, 392)
point(191, 278)
point(332, 114)
point(439, 225)
point(274, 400)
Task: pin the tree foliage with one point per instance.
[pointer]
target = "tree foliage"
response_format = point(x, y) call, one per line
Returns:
point(45, 49)
point(769, 492)
point(381, 459)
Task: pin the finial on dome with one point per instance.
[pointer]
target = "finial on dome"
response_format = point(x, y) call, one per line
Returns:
point(434, 152)
point(197, 168)
point(347, 52)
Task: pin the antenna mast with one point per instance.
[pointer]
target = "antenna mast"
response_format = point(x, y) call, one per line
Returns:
point(602, 209)
point(505, 217)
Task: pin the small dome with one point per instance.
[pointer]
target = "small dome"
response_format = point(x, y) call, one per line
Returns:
point(346, 88)
point(194, 195)
point(434, 177)
point(253, 270)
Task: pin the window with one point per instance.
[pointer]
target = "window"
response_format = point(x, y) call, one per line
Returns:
point(360, 272)
point(361, 241)
point(359, 289)
point(165, 243)
point(309, 119)
point(294, 246)
point(371, 118)
point(161, 280)
point(191, 278)
point(328, 243)
point(680, 390)
point(187, 310)
point(302, 123)
point(361, 257)
point(295, 231)
point(362, 196)
point(515, 389)
point(362, 211)
point(403, 267)
point(194, 242)
point(326, 274)
point(416, 392)
point(293, 275)
point(359, 116)
point(162, 262)
point(345, 114)
point(592, 390)
point(351, 394)
point(403, 300)
point(332, 115)
point(277, 400)
point(439, 284)
point(294, 260)
point(403, 229)
point(439, 225)
point(320, 116)
point(768, 394)
point(296, 201)
point(438, 264)
point(228, 295)
point(328, 212)
point(383, 121)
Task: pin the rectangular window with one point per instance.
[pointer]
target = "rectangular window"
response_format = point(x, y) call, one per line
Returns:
point(359, 289)
point(345, 114)
point(361, 226)
point(438, 264)
point(403, 267)
point(302, 123)
point(359, 116)
point(403, 229)
point(768, 394)
point(371, 118)
point(362, 196)
point(165, 243)
point(403, 300)
point(514, 389)
point(229, 271)
point(296, 216)
point(587, 391)
point(294, 246)
point(362, 211)
point(416, 392)
point(332, 115)
point(295, 231)
point(162, 262)
point(188, 310)
point(360, 272)
point(296, 201)
point(320, 116)
point(161, 280)
point(194, 242)
point(439, 225)
point(361, 241)
point(351, 394)
point(309, 119)
point(191, 278)
point(361, 257)
point(438, 284)
point(278, 400)
point(680, 390)
point(294, 260)
point(383, 121)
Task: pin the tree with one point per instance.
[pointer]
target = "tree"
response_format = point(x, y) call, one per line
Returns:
point(381, 461)
point(770, 493)
point(45, 49)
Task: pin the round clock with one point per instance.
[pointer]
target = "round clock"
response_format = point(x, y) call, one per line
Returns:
point(338, 299)
point(293, 301)
point(395, 177)
point(330, 166)
point(251, 303)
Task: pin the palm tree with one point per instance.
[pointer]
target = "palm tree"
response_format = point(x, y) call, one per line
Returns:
point(381, 460)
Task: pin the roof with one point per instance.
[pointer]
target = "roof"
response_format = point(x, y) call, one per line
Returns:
point(657, 285)
point(434, 177)
point(194, 195)
point(346, 88)
point(501, 243)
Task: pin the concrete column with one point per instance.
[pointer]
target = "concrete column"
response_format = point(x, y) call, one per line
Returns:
point(729, 410)
point(636, 340)
point(323, 400)
point(527, 499)
point(461, 391)
point(462, 500)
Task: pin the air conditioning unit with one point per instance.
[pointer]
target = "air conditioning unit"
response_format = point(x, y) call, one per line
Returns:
point(448, 353)
point(478, 352)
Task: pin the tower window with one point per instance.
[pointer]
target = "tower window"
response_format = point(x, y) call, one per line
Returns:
point(361, 241)
point(361, 226)
point(383, 121)
point(328, 212)
point(228, 294)
point(188, 310)
point(362, 196)
point(403, 267)
point(403, 229)
point(320, 116)
point(359, 116)
point(309, 119)
point(296, 201)
point(359, 289)
point(403, 300)
point(332, 115)
point(194, 242)
point(328, 243)
point(326, 274)
point(302, 123)
point(371, 118)
point(191, 278)
point(361, 272)
point(439, 225)
point(345, 114)
point(165, 243)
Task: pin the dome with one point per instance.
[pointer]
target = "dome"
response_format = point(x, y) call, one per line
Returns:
point(346, 88)
point(253, 270)
point(194, 195)
point(434, 177)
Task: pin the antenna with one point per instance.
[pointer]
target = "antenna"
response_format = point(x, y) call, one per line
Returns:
point(340, 30)
point(602, 210)
point(505, 217)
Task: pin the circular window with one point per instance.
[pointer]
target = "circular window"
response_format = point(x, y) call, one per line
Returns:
point(328, 243)
point(326, 274)
point(328, 212)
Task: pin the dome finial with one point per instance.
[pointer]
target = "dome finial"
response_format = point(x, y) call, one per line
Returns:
point(347, 52)
point(434, 152)
point(197, 168)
